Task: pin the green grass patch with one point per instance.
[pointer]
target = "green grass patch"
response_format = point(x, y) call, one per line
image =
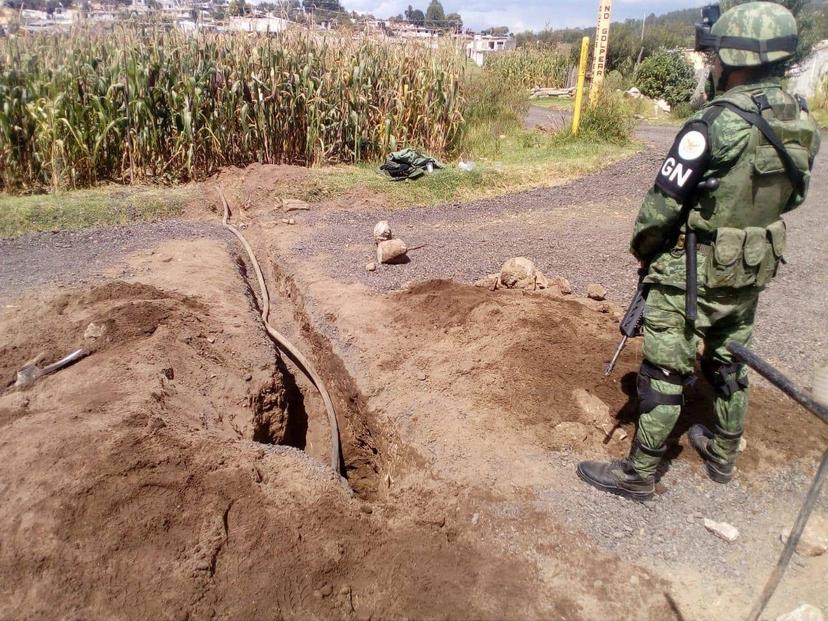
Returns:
point(523, 160)
point(566, 104)
point(100, 206)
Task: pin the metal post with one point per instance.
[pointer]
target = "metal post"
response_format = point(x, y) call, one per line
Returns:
point(579, 91)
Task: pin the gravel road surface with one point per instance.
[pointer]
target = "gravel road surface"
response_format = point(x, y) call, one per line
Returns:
point(75, 257)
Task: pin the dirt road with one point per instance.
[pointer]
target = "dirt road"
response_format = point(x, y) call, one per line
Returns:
point(181, 472)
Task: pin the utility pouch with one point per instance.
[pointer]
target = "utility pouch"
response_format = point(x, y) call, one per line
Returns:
point(745, 257)
point(756, 246)
point(775, 244)
point(725, 265)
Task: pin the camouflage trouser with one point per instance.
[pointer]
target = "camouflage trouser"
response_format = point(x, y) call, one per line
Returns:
point(669, 343)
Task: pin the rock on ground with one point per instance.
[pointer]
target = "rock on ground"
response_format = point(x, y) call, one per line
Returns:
point(518, 273)
point(592, 406)
point(596, 292)
point(805, 612)
point(814, 540)
point(562, 284)
point(723, 530)
point(391, 251)
point(294, 204)
point(489, 282)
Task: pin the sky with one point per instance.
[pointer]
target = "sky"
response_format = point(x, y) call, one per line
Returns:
point(520, 15)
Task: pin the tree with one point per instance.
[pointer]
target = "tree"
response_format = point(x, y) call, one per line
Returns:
point(435, 16)
point(497, 31)
point(332, 6)
point(417, 17)
point(666, 75)
point(455, 21)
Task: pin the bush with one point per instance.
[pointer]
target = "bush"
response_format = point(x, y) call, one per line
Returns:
point(611, 120)
point(666, 75)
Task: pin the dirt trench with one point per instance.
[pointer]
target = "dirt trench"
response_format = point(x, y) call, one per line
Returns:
point(155, 477)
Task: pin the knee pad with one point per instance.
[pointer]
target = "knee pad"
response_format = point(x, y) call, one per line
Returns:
point(648, 397)
point(724, 377)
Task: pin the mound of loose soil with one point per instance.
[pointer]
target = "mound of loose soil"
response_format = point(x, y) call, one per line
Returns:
point(539, 359)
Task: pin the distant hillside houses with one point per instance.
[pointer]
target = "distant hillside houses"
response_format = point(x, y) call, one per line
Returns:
point(481, 46)
point(216, 16)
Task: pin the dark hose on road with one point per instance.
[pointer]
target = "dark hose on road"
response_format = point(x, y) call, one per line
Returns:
point(744, 355)
point(294, 354)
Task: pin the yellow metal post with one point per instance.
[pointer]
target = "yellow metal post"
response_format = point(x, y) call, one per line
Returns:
point(579, 91)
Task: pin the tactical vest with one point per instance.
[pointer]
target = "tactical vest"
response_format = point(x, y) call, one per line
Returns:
point(741, 219)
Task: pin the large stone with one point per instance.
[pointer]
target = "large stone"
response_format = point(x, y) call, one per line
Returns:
point(391, 251)
point(814, 540)
point(382, 231)
point(518, 273)
point(563, 285)
point(294, 204)
point(723, 530)
point(805, 612)
point(596, 292)
point(595, 409)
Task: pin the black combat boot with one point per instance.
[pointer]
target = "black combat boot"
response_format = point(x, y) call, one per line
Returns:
point(718, 469)
point(617, 477)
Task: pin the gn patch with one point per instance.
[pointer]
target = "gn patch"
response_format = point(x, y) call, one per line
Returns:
point(686, 162)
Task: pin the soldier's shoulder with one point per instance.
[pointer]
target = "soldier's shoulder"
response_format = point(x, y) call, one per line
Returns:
point(722, 120)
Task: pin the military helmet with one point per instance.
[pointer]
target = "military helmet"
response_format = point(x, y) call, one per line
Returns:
point(753, 34)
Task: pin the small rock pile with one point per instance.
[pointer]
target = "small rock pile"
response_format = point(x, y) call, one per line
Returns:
point(521, 273)
point(389, 249)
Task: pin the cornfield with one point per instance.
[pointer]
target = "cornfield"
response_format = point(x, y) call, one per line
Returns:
point(530, 67)
point(136, 104)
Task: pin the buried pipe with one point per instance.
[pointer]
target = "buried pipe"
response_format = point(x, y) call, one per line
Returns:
point(294, 354)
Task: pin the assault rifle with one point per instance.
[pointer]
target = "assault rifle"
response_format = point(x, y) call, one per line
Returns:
point(631, 322)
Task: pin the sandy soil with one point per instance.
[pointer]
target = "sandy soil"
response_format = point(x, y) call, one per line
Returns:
point(178, 470)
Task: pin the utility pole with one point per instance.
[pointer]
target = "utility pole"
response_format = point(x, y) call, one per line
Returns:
point(641, 51)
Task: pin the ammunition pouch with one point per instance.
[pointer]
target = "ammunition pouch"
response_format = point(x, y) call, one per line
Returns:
point(746, 257)
point(725, 378)
point(648, 397)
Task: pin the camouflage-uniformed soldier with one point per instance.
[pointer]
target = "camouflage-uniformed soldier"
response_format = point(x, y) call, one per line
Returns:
point(741, 240)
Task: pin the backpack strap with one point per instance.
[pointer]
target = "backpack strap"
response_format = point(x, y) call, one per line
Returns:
point(757, 120)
